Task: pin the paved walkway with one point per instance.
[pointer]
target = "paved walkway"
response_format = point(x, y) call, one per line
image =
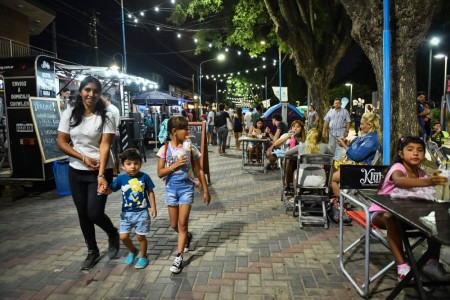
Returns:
point(245, 247)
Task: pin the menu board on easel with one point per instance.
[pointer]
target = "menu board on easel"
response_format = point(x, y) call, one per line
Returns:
point(197, 132)
point(46, 116)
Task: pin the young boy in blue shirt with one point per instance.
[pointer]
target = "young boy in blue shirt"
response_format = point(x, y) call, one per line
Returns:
point(137, 198)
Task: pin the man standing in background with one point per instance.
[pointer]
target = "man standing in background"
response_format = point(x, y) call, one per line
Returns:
point(210, 122)
point(248, 119)
point(230, 112)
point(312, 118)
point(106, 98)
point(64, 98)
point(336, 126)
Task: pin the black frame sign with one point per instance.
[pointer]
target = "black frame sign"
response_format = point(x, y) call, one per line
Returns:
point(197, 133)
point(46, 116)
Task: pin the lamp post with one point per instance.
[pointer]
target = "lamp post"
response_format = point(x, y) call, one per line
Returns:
point(445, 88)
point(115, 67)
point(351, 92)
point(433, 42)
point(124, 57)
point(220, 57)
point(217, 96)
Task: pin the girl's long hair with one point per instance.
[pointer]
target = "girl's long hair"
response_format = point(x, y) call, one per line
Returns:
point(312, 141)
point(79, 109)
point(302, 132)
point(262, 121)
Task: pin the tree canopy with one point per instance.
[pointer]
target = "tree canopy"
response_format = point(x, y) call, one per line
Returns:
point(316, 34)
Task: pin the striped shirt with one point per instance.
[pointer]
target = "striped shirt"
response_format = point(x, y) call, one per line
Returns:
point(337, 121)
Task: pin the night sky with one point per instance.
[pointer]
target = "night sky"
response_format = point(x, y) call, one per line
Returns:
point(149, 50)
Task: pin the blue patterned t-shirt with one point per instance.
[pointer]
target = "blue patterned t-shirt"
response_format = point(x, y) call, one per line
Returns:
point(134, 191)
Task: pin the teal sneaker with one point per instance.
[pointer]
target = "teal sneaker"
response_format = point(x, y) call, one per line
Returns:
point(142, 262)
point(131, 258)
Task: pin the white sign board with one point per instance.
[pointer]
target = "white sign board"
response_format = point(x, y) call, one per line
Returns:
point(284, 93)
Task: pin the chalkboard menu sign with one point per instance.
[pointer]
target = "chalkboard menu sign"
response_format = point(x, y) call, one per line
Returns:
point(197, 133)
point(46, 116)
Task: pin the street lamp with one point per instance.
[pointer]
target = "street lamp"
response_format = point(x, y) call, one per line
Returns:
point(115, 67)
point(124, 57)
point(445, 90)
point(351, 92)
point(219, 57)
point(433, 42)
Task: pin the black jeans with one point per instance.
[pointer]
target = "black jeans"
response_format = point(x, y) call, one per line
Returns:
point(222, 133)
point(90, 206)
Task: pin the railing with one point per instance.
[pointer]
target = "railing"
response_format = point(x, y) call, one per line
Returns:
point(11, 48)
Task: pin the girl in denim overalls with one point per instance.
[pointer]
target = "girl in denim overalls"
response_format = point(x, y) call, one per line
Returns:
point(177, 166)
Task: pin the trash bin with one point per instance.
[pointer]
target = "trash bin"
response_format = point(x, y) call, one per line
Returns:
point(61, 173)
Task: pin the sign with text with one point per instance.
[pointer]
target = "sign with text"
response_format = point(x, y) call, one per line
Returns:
point(46, 116)
point(18, 90)
point(45, 77)
point(284, 93)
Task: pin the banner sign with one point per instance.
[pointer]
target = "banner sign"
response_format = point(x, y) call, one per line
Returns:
point(284, 93)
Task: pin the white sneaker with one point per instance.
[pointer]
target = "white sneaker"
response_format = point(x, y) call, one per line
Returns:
point(176, 266)
point(403, 272)
point(436, 271)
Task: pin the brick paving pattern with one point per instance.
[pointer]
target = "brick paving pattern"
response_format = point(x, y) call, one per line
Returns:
point(245, 246)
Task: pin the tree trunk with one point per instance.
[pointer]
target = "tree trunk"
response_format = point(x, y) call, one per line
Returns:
point(409, 24)
point(318, 36)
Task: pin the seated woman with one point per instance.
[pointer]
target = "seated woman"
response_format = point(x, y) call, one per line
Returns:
point(362, 149)
point(255, 148)
point(291, 139)
point(312, 145)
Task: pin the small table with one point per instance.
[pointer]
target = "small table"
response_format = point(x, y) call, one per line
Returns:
point(245, 141)
point(411, 212)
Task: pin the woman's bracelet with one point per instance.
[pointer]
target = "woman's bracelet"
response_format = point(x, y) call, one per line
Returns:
point(101, 176)
point(84, 156)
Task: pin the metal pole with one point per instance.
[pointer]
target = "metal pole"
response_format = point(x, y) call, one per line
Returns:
point(351, 97)
point(200, 89)
point(429, 74)
point(386, 84)
point(283, 104)
point(123, 40)
point(265, 88)
point(217, 97)
point(443, 104)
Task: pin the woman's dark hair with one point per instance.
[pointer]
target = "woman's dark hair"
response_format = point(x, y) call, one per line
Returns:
point(256, 124)
point(78, 110)
point(403, 142)
point(176, 122)
point(239, 112)
point(221, 106)
point(130, 154)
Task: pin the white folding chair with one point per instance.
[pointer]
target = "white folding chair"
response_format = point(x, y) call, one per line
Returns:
point(436, 155)
point(356, 178)
point(314, 172)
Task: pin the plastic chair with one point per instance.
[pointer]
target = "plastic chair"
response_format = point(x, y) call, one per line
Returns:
point(358, 178)
point(437, 156)
point(314, 172)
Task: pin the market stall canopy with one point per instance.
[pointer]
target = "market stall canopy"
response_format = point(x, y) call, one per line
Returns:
point(155, 98)
point(105, 74)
